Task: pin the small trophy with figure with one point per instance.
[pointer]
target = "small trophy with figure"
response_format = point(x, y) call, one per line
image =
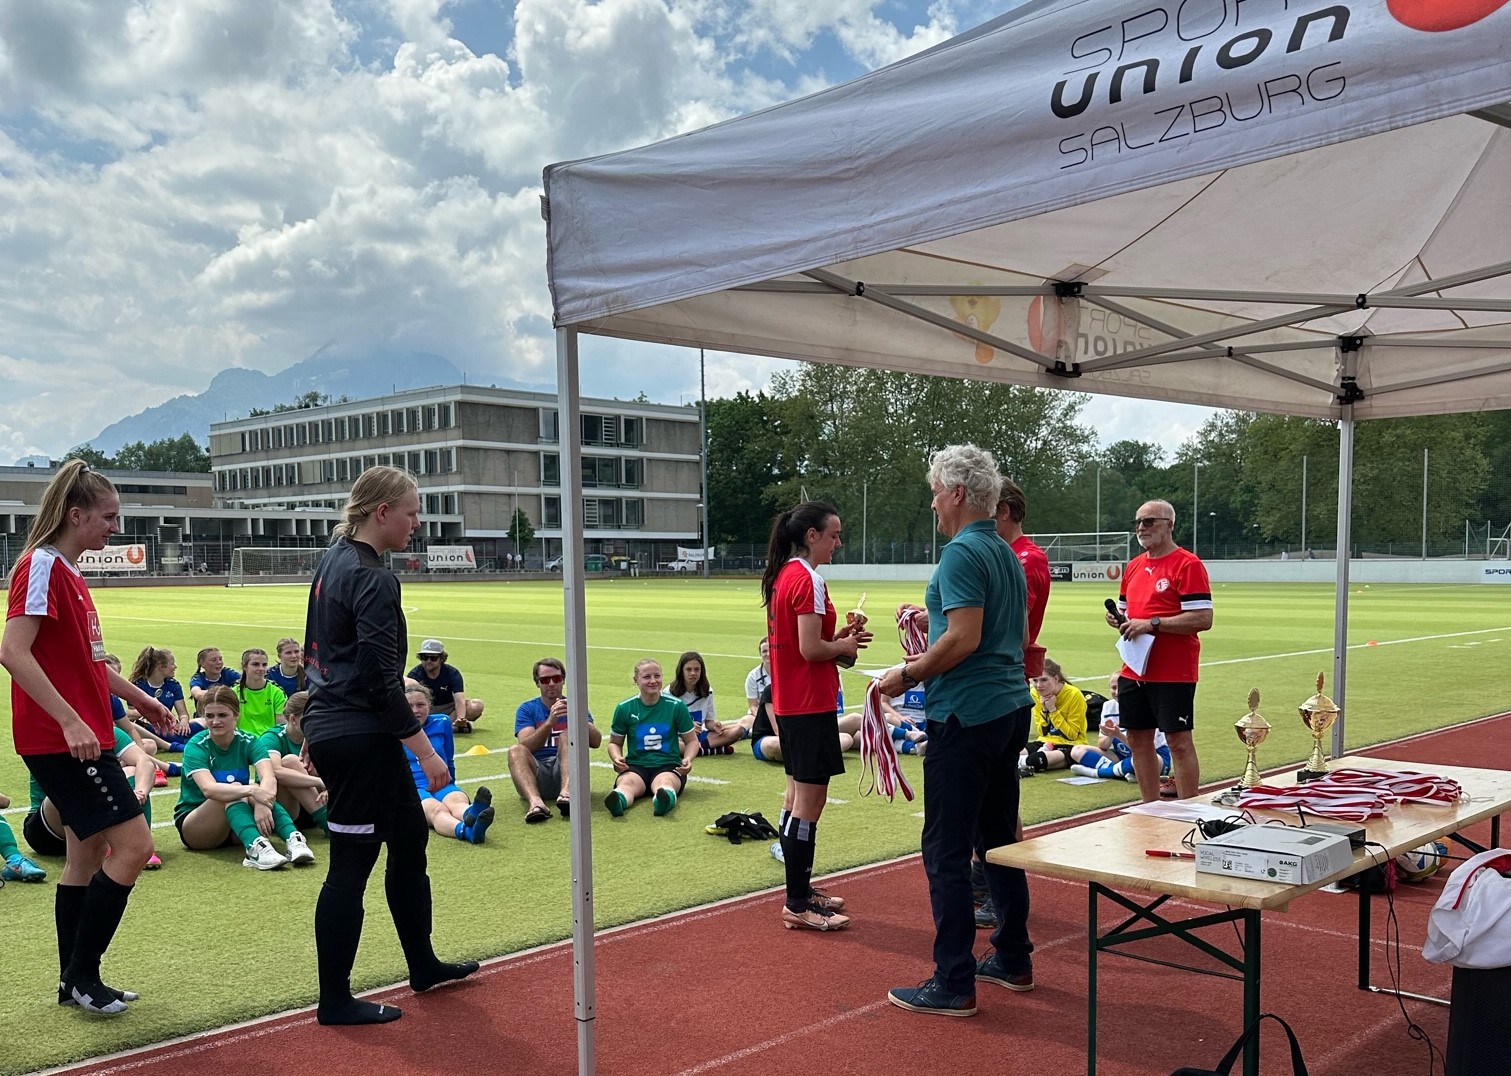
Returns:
point(856, 619)
point(1252, 731)
point(1318, 712)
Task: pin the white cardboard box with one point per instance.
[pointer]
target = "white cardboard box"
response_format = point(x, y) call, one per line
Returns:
point(1276, 853)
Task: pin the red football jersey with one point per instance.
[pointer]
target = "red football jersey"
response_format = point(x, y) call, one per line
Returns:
point(69, 647)
point(799, 686)
point(1162, 587)
point(1036, 568)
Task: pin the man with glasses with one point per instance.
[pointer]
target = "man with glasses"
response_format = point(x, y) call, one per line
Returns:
point(538, 762)
point(1165, 593)
point(445, 684)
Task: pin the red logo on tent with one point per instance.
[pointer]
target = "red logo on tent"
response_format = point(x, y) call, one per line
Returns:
point(1435, 16)
point(1043, 326)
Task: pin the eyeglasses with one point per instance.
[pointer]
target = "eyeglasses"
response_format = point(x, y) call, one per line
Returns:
point(1149, 521)
point(558, 678)
point(429, 657)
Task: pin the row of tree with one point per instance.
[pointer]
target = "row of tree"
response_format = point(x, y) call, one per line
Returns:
point(861, 439)
point(182, 453)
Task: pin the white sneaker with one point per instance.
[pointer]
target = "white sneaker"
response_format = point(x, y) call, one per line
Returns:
point(262, 855)
point(299, 850)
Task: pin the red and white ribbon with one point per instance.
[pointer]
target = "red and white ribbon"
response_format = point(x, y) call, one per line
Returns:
point(1350, 805)
point(910, 631)
point(1406, 786)
point(878, 754)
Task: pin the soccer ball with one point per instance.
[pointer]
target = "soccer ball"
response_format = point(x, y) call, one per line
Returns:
point(1422, 863)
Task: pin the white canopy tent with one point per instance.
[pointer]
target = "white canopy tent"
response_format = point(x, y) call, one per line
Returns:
point(1280, 207)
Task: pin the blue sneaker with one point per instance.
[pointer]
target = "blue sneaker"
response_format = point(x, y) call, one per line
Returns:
point(20, 869)
point(990, 969)
point(929, 997)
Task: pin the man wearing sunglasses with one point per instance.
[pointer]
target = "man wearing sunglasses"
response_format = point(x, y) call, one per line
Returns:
point(445, 683)
point(538, 762)
point(1165, 593)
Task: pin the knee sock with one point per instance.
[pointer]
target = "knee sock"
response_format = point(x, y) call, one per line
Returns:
point(283, 825)
point(243, 822)
point(798, 838)
point(409, 902)
point(68, 908)
point(338, 925)
point(1121, 768)
point(8, 846)
point(322, 818)
point(104, 904)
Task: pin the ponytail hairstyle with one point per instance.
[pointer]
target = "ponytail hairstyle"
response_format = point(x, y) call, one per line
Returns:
point(373, 488)
point(299, 675)
point(76, 485)
point(199, 659)
point(149, 659)
point(293, 706)
point(702, 689)
point(220, 695)
point(789, 536)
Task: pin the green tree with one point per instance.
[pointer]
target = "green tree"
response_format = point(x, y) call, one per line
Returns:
point(181, 453)
point(751, 451)
point(90, 455)
point(521, 531)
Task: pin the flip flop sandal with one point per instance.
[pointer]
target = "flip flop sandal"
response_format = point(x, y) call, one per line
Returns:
point(564, 805)
point(537, 814)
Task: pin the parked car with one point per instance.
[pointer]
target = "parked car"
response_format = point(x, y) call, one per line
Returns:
point(681, 566)
point(554, 564)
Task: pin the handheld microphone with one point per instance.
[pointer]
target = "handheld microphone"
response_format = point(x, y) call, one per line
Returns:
point(1112, 608)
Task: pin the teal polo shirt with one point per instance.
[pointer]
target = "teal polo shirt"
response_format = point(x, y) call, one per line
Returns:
point(977, 569)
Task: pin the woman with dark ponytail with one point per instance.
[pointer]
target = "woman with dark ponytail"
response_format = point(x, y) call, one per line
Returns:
point(805, 652)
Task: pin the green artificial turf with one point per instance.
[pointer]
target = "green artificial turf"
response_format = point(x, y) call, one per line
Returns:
point(208, 943)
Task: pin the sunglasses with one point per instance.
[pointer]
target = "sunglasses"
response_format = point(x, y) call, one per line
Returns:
point(428, 657)
point(558, 678)
point(1149, 521)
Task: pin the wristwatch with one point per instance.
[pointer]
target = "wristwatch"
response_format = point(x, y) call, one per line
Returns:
point(907, 678)
point(1154, 623)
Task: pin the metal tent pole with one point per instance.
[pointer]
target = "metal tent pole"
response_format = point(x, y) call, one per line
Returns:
point(569, 433)
point(1345, 541)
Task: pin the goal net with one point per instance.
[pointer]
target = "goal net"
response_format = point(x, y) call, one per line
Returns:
point(1100, 546)
point(266, 566)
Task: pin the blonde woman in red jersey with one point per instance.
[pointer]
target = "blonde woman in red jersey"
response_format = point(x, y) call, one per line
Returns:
point(60, 711)
point(805, 652)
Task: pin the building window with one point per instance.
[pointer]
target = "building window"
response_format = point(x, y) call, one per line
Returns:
point(600, 471)
point(450, 504)
point(592, 429)
point(432, 504)
point(633, 473)
point(343, 470)
point(414, 461)
point(548, 428)
point(550, 469)
point(414, 420)
point(385, 422)
point(550, 511)
point(632, 432)
point(634, 512)
point(303, 430)
point(432, 461)
point(448, 460)
point(243, 440)
point(327, 430)
point(448, 416)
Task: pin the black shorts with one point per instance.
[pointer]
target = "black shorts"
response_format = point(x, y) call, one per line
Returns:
point(90, 796)
point(810, 747)
point(372, 796)
point(40, 836)
point(650, 773)
point(178, 824)
point(1149, 704)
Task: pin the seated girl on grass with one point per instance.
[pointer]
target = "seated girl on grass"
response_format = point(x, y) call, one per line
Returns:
point(210, 670)
point(691, 686)
point(153, 673)
point(300, 792)
point(447, 809)
point(229, 793)
point(261, 700)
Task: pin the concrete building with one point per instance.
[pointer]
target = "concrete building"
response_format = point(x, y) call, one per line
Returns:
point(479, 454)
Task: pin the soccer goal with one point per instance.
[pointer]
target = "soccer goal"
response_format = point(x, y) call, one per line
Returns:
point(267, 566)
point(1100, 546)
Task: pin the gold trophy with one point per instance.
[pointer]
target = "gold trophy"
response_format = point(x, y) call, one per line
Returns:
point(857, 620)
point(1318, 712)
point(1252, 731)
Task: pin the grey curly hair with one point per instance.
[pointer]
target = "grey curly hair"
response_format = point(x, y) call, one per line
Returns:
point(971, 467)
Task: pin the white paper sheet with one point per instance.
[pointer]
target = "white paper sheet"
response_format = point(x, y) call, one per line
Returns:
point(1135, 652)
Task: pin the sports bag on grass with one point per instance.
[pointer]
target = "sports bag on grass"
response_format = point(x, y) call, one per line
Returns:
point(1470, 925)
point(1225, 1066)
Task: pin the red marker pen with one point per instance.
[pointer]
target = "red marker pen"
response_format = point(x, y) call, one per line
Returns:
point(1160, 853)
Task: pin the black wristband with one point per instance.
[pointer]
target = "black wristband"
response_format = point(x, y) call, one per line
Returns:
point(907, 677)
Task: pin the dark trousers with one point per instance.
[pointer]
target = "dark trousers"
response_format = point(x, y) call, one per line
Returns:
point(970, 803)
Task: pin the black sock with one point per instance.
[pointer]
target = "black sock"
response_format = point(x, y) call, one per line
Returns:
point(104, 904)
point(68, 909)
point(409, 903)
point(439, 972)
point(352, 1011)
point(798, 838)
point(338, 927)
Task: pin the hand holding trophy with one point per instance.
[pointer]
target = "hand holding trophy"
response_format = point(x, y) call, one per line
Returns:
point(855, 624)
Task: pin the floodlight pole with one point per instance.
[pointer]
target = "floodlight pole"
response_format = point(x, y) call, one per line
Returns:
point(1424, 504)
point(1195, 504)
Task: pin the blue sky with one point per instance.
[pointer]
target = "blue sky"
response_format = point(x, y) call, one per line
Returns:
point(187, 185)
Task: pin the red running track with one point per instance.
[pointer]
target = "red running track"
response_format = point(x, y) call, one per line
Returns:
point(725, 990)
